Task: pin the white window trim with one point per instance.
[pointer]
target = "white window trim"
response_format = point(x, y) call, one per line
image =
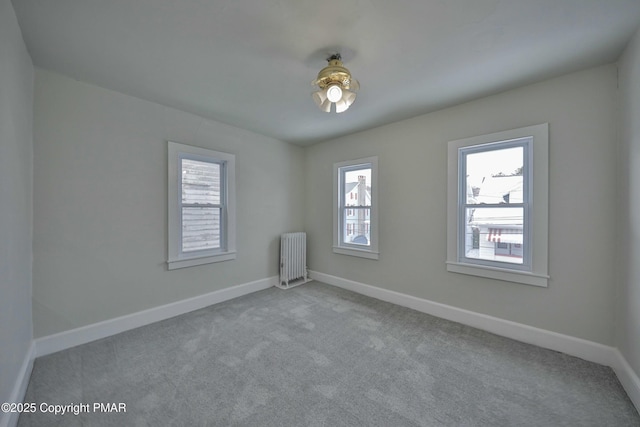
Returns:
point(537, 274)
point(176, 258)
point(338, 246)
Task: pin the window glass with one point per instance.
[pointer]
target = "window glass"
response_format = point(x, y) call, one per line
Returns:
point(356, 190)
point(200, 182)
point(355, 219)
point(201, 209)
point(201, 206)
point(487, 228)
point(200, 229)
point(493, 201)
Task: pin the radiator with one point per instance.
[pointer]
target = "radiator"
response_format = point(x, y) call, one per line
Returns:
point(293, 260)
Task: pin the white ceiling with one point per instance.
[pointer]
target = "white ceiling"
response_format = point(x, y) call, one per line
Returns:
point(249, 63)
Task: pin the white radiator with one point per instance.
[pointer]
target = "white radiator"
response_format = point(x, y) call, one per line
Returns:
point(293, 260)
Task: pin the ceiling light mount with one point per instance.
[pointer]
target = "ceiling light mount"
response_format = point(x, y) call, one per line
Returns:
point(336, 86)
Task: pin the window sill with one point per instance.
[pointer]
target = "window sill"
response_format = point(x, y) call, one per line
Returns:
point(523, 277)
point(356, 252)
point(190, 262)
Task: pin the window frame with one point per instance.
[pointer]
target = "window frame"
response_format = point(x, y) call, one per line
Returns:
point(527, 145)
point(339, 209)
point(177, 258)
point(534, 269)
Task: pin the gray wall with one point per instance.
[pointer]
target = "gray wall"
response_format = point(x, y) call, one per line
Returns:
point(16, 152)
point(581, 111)
point(99, 229)
point(100, 202)
point(628, 309)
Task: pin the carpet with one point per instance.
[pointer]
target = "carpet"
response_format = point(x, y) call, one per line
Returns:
point(317, 355)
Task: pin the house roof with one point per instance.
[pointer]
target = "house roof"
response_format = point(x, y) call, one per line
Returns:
point(493, 189)
point(349, 186)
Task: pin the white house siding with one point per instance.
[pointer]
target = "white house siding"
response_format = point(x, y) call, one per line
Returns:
point(200, 224)
point(357, 221)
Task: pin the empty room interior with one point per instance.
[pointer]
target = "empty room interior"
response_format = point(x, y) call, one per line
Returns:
point(339, 213)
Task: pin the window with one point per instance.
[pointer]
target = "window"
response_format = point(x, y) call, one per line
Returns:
point(201, 206)
point(498, 206)
point(493, 202)
point(355, 228)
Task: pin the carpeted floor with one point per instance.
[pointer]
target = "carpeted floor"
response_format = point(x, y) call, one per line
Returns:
point(317, 355)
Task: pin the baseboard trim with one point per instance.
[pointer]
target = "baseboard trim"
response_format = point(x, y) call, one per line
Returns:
point(10, 419)
point(628, 377)
point(573, 346)
point(71, 338)
point(578, 347)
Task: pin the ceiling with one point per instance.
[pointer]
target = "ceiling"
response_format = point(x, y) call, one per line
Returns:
point(250, 63)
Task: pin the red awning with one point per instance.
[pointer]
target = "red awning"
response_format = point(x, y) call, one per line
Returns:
point(505, 235)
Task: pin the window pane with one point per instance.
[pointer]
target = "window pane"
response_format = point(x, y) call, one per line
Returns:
point(494, 234)
point(200, 182)
point(357, 226)
point(357, 187)
point(200, 229)
point(495, 176)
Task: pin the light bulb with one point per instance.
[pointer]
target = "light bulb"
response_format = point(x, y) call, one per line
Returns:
point(334, 93)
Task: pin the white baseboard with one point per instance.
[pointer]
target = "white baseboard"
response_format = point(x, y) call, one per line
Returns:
point(67, 339)
point(10, 419)
point(584, 349)
point(578, 347)
point(628, 378)
point(588, 350)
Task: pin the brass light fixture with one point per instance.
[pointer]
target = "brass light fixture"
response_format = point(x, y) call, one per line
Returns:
point(336, 86)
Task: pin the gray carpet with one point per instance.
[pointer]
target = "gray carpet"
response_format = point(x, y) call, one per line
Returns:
point(317, 355)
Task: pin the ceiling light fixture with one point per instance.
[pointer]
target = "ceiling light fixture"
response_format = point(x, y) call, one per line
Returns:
point(336, 86)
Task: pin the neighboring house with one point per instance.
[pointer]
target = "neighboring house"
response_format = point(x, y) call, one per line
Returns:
point(497, 232)
point(358, 220)
point(201, 218)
